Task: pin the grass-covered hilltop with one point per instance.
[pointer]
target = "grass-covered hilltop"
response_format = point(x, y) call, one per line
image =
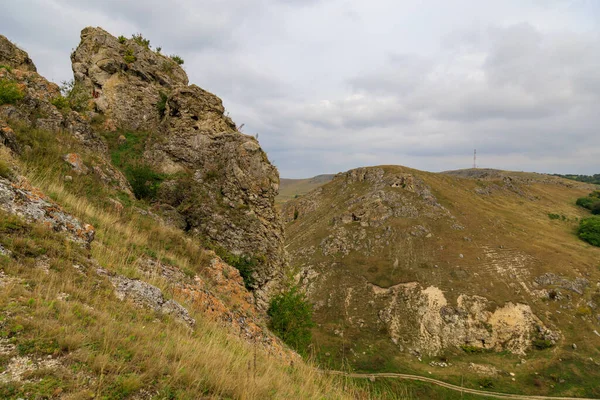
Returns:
point(144, 254)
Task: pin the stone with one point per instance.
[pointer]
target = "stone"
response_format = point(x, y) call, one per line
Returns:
point(121, 140)
point(146, 295)
point(68, 178)
point(75, 161)
point(574, 346)
point(22, 199)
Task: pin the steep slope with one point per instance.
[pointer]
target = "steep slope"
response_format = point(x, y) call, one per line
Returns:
point(293, 188)
point(404, 265)
point(102, 297)
point(218, 180)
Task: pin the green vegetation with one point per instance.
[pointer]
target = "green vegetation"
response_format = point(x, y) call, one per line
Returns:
point(74, 95)
point(129, 57)
point(127, 156)
point(139, 39)
point(246, 265)
point(158, 50)
point(541, 344)
point(6, 67)
point(591, 202)
point(291, 319)
point(472, 349)
point(177, 59)
point(161, 106)
point(122, 39)
point(582, 178)
point(10, 92)
point(5, 169)
point(589, 230)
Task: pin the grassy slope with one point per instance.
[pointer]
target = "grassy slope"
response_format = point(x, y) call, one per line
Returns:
point(504, 221)
point(291, 188)
point(107, 348)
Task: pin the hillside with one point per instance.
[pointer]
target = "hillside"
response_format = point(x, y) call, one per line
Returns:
point(292, 188)
point(130, 266)
point(477, 269)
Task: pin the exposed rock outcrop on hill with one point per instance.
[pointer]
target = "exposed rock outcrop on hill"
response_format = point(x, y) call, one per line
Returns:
point(409, 262)
point(222, 182)
point(13, 57)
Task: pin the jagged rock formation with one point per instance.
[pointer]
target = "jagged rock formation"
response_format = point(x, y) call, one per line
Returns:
point(125, 79)
point(222, 182)
point(13, 57)
point(399, 261)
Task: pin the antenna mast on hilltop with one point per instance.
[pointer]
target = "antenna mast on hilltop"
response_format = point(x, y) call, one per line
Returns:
point(475, 158)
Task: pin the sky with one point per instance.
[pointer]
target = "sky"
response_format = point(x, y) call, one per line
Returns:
point(330, 85)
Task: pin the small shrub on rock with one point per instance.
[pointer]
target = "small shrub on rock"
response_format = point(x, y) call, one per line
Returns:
point(10, 92)
point(122, 39)
point(129, 57)
point(141, 40)
point(541, 344)
point(177, 59)
point(291, 319)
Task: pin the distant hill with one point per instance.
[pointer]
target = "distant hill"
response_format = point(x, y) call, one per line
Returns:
point(291, 188)
point(411, 270)
point(595, 179)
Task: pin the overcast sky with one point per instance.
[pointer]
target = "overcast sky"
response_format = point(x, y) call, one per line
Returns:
point(331, 85)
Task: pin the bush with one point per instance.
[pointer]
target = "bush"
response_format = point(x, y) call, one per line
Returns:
point(589, 230)
point(596, 208)
point(244, 264)
point(10, 92)
point(158, 49)
point(122, 39)
point(177, 59)
point(75, 94)
point(60, 102)
point(139, 39)
point(129, 57)
point(553, 216)
point(144, 181)
point(291, 319)
point(161, 106)
point(541, 344)
point(472, 349)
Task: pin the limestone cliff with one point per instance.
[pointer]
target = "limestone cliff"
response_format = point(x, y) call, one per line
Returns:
point(219, 180)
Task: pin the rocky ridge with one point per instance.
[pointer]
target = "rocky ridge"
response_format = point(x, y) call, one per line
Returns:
point(222, 183)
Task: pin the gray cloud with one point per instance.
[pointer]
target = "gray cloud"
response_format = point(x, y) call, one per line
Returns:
point(332, 85)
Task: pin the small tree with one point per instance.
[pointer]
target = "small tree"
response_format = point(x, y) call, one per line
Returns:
point(291, 319)
point(589, 230)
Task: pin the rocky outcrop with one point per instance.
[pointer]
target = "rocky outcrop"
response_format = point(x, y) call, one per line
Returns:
point(20, 198)
point(146, 295)
point(125, 78)
point(225, 186)
point(13, 57)
point(425, 315)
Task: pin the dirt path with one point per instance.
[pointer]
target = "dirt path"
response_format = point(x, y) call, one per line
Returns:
point(453, 387)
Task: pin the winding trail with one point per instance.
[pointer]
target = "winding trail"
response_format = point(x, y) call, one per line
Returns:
point(450, 386)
